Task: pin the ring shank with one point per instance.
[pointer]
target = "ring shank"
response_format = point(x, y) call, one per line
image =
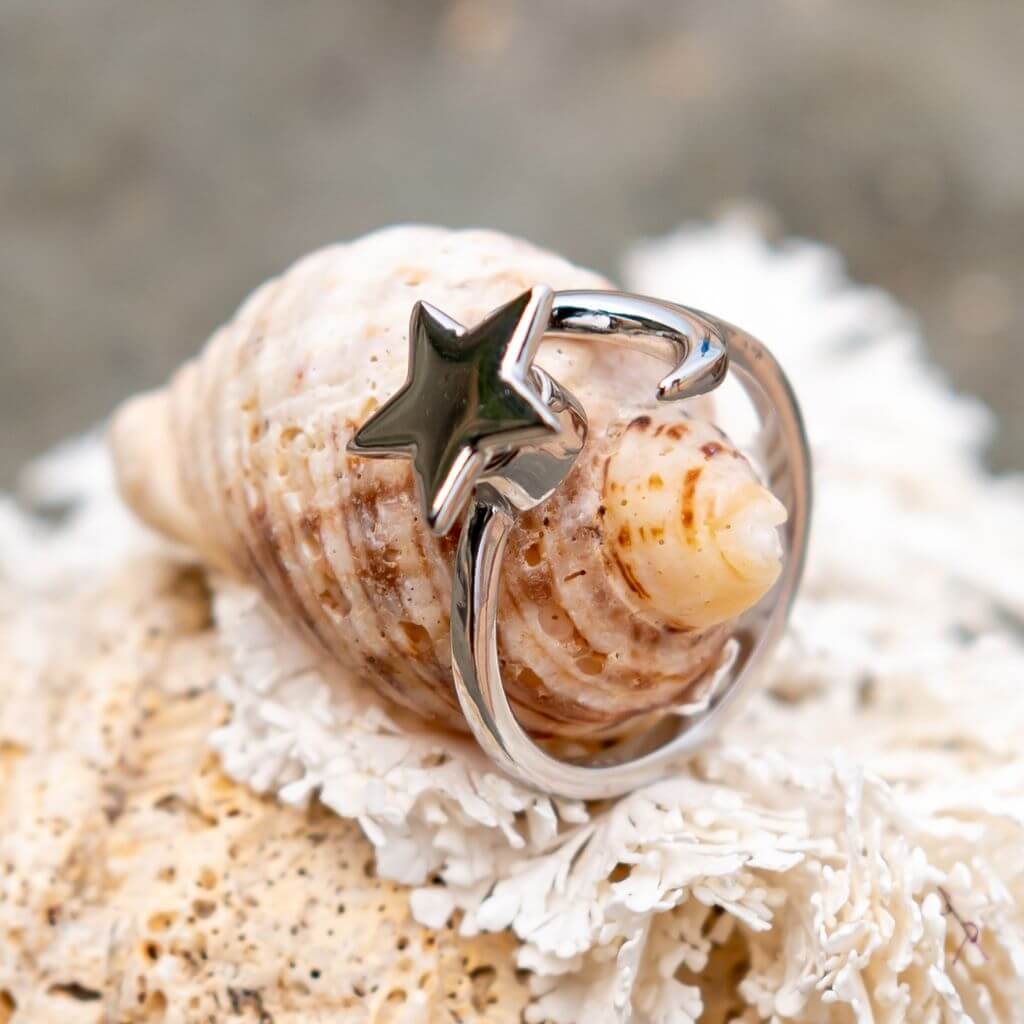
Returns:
point(672, 333)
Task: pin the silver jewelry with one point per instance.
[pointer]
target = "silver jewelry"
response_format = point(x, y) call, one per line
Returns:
point(491, 436)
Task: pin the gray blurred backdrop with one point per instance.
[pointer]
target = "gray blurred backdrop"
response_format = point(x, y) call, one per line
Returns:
point(159, 159)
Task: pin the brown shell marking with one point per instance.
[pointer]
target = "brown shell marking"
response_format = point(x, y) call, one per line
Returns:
point(689, 494)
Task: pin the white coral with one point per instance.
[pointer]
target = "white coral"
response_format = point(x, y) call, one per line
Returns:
point(850, 850)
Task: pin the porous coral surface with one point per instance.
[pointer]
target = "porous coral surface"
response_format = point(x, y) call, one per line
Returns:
point(139, 884)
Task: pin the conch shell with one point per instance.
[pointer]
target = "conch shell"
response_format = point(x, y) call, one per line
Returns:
point(617, 593)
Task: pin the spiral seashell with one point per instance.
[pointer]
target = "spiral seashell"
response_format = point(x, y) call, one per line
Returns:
point(618, 592)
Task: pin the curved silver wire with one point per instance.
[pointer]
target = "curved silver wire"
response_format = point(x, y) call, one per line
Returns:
point(690, 341)
point(700, 348)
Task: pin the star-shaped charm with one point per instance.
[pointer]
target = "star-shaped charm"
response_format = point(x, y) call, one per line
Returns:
point(467, 399)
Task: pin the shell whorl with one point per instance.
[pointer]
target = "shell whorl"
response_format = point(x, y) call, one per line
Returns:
point(617, 592)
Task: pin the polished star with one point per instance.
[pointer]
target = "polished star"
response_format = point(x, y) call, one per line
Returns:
point(467, 399)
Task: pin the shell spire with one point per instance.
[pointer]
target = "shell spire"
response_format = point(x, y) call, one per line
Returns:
point(617, 592)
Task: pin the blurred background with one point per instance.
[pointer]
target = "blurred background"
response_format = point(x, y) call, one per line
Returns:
point(160, 159)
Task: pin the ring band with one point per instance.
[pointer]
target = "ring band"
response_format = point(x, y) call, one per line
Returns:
point(503, 466)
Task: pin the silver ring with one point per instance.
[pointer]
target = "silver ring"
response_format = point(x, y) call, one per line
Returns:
point(491, 436)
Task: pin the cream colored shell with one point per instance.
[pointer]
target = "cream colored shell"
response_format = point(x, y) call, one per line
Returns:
point(617, 593)
point(691, 493)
